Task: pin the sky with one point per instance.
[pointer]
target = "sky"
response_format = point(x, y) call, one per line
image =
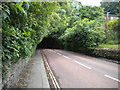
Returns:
point(90, 2)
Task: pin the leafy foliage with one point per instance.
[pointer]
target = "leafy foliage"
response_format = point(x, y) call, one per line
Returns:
point(81, 26)
point(84, 34)
point(25, 24)
point(112, 7)
point(112, 32)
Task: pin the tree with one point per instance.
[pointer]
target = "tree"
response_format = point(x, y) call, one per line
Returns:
point(80, 26)
point(113, 32)
point(24, 25)
point(112, 7)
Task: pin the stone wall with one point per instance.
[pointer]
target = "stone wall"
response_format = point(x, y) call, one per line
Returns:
point(0, 60)
point(0, 39)
point(13, 73)
point(103, 52)
point(108, 53)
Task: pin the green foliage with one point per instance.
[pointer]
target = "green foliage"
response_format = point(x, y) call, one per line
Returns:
point(109, 46)
point(114, 25)
point(81, 26)
point(112, 32)
point(91, 12)
point(25, 24)
point(112, 7)
point(84, 34)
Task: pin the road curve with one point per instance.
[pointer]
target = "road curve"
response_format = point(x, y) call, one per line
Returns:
point(74, 70)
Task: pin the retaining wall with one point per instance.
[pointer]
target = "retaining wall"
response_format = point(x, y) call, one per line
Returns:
point(13, 73)
point(107, 53)
point(0, 60)
point(103, 52)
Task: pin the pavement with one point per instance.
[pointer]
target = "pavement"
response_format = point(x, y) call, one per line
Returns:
point(34, 76)
point(38, 77)
point(74, 70)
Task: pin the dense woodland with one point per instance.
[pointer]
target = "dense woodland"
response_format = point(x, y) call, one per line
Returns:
point(70, 24)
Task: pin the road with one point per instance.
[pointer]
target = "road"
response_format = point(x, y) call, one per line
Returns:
point(74, 70)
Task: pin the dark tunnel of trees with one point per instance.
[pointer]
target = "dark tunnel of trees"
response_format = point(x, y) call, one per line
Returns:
point(50, 43)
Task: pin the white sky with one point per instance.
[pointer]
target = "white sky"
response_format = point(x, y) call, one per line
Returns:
point(90, 2)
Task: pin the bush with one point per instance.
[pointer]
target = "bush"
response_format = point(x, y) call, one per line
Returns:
point(113, 32)
point(24, 25)
point(23, 29)
point(84, 34)
point(80, 27)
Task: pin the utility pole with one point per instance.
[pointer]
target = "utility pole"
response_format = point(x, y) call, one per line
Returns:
point(108, 16)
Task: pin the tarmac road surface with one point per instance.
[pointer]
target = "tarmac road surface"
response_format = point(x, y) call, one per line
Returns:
point(74, 70)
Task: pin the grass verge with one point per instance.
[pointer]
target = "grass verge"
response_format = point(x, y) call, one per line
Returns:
point(116, 46)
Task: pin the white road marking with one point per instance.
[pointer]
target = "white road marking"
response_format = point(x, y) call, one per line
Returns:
point(86, 66)
point(56, 52)
point(62, 55)
point(59, 53)
point(66, 57)
point(82, 64)
point(74, 60)
point(112, 78)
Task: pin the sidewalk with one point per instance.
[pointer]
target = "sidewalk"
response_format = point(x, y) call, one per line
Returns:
point(35, 75)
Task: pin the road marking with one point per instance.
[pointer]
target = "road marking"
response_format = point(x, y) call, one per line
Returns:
point(66, 57)
point(112, 78)
point(74, 60)
point(56, 52)
point(82, 64)
point(59, 53)
point(62, 55)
